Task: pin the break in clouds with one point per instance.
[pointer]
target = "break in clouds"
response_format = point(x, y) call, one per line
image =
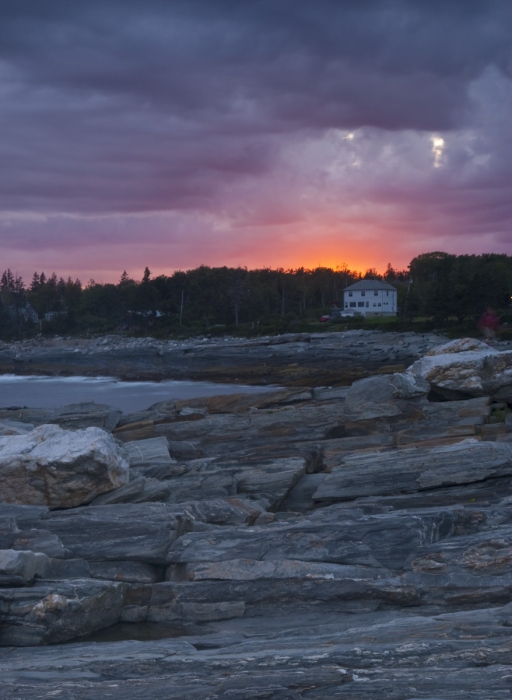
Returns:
point(258, 133)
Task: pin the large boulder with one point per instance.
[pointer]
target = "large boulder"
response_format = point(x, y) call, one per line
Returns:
point(376, 397)
point(465, 368)
point(60, 468)
point(20, 568)
point(386, 388)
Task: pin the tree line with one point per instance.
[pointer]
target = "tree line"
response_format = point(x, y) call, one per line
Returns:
point(219, 299)
point(458, 286)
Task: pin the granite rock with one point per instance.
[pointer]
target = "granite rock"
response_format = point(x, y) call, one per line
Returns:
point(465, 368)
point(59, 468)
point(325, 543)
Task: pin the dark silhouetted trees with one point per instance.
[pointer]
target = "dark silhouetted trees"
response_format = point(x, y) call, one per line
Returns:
point(437, 285)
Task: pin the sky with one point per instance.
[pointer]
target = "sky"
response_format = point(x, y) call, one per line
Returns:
point(260, 133)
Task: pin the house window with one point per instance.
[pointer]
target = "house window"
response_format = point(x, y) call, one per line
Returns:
point(352, 303)
point(375, 294)
point(363, 294)
point(387, 294)
point(350, 294)
point(346, 305)
point(375, 304)
point(380, 304)
point(360, 303)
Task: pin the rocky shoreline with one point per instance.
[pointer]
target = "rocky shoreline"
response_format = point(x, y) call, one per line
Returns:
point(307, 359)
point(313, 542)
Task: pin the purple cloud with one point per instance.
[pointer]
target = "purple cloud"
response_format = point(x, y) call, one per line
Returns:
point(221, 132)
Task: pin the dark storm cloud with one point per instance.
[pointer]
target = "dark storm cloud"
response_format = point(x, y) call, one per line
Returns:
point(316, 64)
point(130, 106)
point(220, 128)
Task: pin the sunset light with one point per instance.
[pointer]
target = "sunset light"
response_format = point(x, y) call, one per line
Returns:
point(239, 138)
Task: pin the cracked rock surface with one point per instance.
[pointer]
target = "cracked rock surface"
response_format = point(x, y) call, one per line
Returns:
point(307, 544)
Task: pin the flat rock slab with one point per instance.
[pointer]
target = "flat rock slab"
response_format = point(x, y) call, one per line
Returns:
point(338, 536)
point(458, 656)
point(415, 469)
point(141, 453)
point(125, 532)
point(59, 468)
point(74, 416)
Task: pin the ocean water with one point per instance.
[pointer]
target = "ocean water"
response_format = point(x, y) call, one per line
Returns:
point(52, 392)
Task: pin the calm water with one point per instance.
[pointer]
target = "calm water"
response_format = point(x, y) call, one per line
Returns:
point(52, 392)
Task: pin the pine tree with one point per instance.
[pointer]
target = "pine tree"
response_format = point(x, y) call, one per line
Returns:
point(7, 281)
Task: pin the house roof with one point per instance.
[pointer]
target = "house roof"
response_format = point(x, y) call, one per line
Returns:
point(370, 286)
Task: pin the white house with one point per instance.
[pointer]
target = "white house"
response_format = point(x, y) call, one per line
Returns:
point(26, 313)
point(370, 298)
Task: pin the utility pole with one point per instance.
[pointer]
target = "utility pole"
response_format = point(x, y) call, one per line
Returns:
point(407, 296)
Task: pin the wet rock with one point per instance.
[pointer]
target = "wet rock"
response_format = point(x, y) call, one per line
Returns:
point(59, 468)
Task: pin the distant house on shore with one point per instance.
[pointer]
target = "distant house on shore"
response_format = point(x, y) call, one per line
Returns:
point(25, 313)
point(371, 298)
